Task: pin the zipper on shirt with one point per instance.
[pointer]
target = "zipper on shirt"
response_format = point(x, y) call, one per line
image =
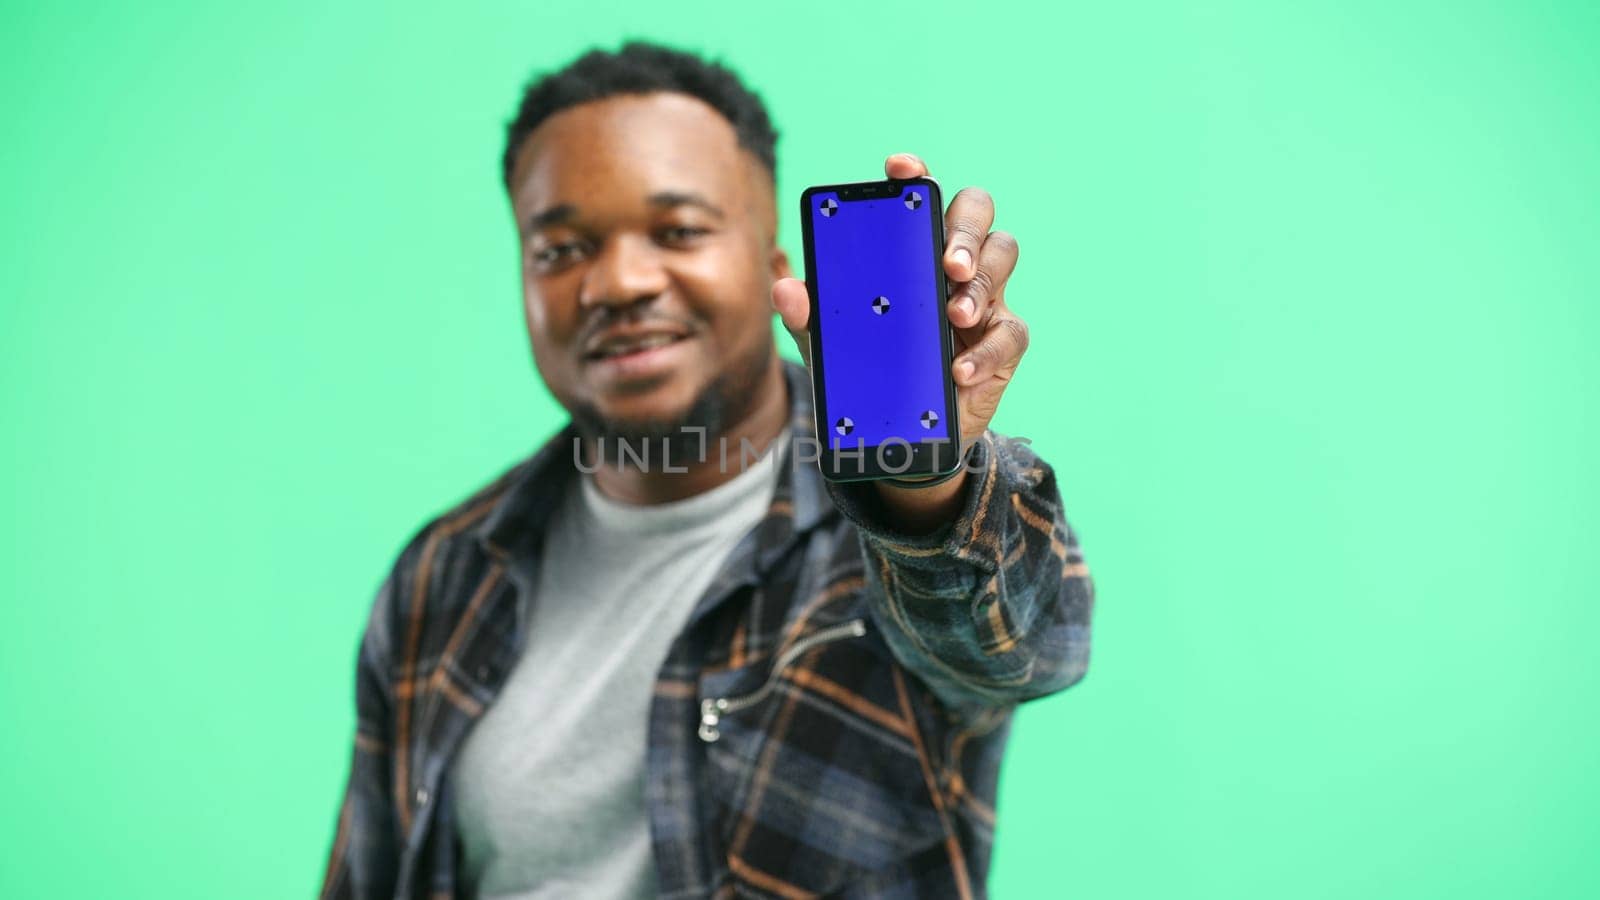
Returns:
point(712, 709)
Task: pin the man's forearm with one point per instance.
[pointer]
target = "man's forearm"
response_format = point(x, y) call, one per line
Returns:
point(993, 606)
point(923, 510)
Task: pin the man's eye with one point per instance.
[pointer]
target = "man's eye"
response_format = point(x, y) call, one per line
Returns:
point(683, 232)
point(554, 253)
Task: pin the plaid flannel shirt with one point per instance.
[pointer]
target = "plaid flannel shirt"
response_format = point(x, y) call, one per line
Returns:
point(867, 680)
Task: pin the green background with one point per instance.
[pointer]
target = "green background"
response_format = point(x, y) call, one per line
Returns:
point(1312, 291)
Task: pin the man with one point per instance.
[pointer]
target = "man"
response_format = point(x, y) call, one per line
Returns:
point(607, 676)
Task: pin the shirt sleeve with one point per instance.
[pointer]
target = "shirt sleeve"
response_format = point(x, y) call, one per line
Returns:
point(994, 607)
point(364, 860)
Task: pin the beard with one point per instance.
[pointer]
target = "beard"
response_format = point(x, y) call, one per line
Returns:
point(684, 439)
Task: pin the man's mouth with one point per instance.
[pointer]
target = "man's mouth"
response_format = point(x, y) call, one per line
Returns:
point(633, 359)
point(631, 346)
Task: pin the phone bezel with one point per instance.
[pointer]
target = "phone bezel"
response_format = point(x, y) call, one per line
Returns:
point(888, 460)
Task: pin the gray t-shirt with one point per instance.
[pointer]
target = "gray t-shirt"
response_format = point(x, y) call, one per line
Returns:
point(549, 783)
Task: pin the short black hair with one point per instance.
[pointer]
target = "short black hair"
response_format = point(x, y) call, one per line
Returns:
point(642, 67)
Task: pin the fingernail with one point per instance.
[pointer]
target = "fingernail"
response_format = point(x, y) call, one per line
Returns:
point(962, 256)
point(964, 369)
point(964, 306)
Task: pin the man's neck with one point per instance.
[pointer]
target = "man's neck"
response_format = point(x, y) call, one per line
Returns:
point(702, 472)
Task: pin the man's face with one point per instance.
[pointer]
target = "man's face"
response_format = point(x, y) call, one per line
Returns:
point(648, 260)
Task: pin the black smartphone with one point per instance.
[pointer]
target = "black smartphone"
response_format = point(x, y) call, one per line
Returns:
point(881, 344)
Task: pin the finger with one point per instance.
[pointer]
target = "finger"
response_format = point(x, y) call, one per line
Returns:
point(966, 223)
point(793, 303)
point(997, 354)
point(971, 305)
point(904, 165)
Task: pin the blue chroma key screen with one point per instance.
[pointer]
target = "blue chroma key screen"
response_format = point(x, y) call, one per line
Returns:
point(879, 306)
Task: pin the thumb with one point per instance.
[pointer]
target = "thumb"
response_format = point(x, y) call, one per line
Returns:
point(793, 303)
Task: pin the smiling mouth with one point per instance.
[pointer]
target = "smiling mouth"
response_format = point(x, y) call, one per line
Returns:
point(633, 348)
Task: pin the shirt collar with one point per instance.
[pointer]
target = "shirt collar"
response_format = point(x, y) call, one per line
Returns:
point(515, 526)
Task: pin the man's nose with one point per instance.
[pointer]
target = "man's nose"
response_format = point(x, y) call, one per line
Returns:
point(628, 268)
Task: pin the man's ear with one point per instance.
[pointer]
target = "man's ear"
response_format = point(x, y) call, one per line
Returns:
point(780, 264)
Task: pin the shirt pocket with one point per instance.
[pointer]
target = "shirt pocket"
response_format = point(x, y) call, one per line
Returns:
point(817, 776)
